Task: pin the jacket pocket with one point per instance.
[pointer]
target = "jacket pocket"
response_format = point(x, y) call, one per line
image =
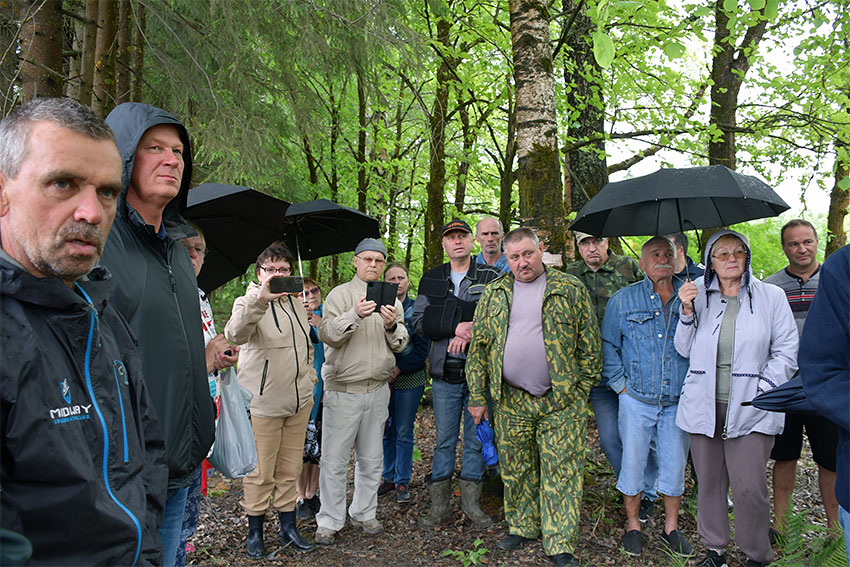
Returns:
point(263, 379)
point(639, 324)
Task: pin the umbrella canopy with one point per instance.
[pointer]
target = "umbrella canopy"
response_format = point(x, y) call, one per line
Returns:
point(238, 223)
point(319, 228)
point(677, 199)
point(786, 398)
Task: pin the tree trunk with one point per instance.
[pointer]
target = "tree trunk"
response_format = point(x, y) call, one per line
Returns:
point(437, 153)
point(103, 97)
point(506, 174)
point(87, 57)
point(839, 202)
point(541, 200)
point(138, 59)
point(334, 180)
point(463, 163)
point(72, 84)
point(41, 50)
point(361, 144)
point(9, 61)
point(122, 59)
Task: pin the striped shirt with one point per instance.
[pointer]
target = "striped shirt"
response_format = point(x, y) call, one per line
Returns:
point(799, 294)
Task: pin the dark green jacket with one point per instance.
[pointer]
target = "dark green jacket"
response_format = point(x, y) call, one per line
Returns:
point(617, 272)
point(570, 332)
point(157, 292)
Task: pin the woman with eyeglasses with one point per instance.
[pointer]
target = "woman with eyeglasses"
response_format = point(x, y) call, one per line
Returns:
point(277, 367)
point(741, 338)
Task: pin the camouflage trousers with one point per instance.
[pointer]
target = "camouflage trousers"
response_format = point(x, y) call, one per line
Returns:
point(541, 455)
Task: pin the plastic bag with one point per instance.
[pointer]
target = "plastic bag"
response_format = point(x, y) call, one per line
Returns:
point(235, 452)
point(485, 434)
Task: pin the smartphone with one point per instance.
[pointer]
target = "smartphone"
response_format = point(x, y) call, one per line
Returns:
point(289, 284)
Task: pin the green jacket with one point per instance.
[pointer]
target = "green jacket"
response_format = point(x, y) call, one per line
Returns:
point(617, 272)
point(570, 331)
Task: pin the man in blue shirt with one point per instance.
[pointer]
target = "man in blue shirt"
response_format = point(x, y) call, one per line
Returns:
point(489, 234)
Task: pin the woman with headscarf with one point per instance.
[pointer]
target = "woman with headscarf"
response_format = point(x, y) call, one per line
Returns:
point(277, 368)
point(741, 338)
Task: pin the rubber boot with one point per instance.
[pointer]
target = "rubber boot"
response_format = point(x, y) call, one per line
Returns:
point(440, 492)
point(470, 494)
point(254, 544)
point(289, 533)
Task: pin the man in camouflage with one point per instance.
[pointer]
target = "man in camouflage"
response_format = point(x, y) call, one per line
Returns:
point(604, 273)
point(536, 349)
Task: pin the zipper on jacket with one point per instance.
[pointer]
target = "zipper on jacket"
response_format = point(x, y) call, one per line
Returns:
point(105, 463)
point(171, 277)
point(263, 380)
point(295, 351)
point(118, 369)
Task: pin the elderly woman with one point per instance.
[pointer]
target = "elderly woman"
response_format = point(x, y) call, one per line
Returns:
point(741, 338)
point(407, 384)
point(277, 367)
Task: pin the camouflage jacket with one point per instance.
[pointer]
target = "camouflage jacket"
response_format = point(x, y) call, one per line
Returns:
point(617, 272)
point(570, 333)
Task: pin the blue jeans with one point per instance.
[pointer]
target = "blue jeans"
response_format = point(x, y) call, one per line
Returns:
point(844, 520)
point(190, 517)
point(639, 424)
point(398, 434)
point(606, 408)
point(172, 523)
point(450, 402)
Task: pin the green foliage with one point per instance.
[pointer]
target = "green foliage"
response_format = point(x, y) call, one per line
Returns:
point(468, 557)
point(806, 544)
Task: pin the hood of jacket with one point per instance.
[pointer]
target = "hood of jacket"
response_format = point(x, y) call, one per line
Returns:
point(710, 279)
point(129, 121)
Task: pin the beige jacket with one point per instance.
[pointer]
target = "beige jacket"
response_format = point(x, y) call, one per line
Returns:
point(276, 360)
point(358, 352)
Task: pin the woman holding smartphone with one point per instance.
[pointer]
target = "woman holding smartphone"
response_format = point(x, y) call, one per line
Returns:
point(277, 367)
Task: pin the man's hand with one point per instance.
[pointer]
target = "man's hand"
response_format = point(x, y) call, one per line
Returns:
point(478, 413)
point(464, 331)
point(458, 345)
point(388, 314)
point(265, 296)
point(364, 308)
point(687, 293)
point(224, 360)
point(395, 371)
point(214, 354)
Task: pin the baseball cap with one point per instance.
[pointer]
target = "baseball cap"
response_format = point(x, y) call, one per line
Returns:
point(456, 224)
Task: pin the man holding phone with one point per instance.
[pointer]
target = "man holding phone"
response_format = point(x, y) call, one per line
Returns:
point(360, 338)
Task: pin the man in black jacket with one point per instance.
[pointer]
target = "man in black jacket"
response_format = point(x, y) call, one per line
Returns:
point(158, 294)
point(83, 472)
point(443, 312)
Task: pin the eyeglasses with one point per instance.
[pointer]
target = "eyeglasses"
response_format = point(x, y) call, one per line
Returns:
point(286, 270)
point(314, 291)
point(723, 256)
point(589, 241)
point(197, 250)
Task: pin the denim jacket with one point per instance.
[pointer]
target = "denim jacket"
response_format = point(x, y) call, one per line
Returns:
point(637, 346)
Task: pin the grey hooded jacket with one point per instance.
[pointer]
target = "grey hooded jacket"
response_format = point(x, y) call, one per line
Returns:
point(765, 352)
point(157, 292)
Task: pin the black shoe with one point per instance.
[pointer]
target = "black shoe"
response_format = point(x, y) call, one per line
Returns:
point(677, 543)
point(513, 542)
point(289, 534)
point(564, 560)
point(303, 510)
point(713, 559)
point(315, 504)
point(632, 542)
point(254, 547)
point(647, 507)
point(402, 494)
point(776, 538)
point(385, 487)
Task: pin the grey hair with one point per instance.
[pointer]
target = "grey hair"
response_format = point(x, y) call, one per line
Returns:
point(518, 234)
point(64, 112)
point(501, 228)
point(656, 239)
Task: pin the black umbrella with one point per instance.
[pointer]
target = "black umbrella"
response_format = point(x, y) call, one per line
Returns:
point(786, 398)
point(238, 224)
point(677, 199)
point(319, 228)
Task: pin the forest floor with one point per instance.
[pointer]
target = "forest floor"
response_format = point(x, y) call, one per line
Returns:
point(220, 538)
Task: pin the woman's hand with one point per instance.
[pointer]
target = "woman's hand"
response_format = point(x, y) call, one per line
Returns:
point(265, 296)
point(687, 294)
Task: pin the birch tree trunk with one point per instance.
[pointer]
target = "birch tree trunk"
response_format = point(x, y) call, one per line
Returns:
point(41, 50)
point(541, 199)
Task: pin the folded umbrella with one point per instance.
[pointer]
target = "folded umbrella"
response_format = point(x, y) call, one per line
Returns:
point(238, 223)
point(786, 398)
point(676, 200)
